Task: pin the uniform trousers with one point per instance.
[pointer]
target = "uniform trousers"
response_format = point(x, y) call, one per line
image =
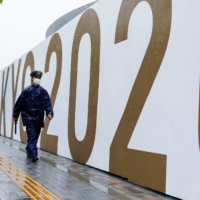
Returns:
point(33, 132)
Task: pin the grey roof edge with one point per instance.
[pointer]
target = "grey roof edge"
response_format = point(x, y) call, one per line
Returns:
point(61, 21)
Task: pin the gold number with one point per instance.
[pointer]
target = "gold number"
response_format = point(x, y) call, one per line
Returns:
point(50, 142)
point(89, 23)
point(145, 168)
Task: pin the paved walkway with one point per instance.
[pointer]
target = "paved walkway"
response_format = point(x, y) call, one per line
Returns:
point(68, 180)
point(9, 190)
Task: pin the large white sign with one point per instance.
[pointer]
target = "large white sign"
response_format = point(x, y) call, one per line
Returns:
point(124, 82)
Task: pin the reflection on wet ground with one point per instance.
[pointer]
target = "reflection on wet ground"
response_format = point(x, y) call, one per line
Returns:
point(70, 180)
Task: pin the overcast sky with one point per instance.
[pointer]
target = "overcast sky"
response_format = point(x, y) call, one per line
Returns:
point(23, 24)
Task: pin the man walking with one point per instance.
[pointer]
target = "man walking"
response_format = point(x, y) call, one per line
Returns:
point(32, 103)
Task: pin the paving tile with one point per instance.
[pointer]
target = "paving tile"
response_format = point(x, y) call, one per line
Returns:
point(5, 198)
point(3, 193)
point(20, 194)
point(8, 188)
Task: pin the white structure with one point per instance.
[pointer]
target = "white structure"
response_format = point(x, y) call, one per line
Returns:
point(124, 82)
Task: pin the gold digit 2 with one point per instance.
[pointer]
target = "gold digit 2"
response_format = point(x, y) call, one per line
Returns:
point(144, 168)
point(50, 142)
point(88, 23)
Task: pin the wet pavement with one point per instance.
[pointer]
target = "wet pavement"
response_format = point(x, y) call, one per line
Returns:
point(67, 179)
point(9, 190)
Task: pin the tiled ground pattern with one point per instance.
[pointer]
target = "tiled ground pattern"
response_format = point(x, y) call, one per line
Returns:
point(74, 181)
point(9, 190)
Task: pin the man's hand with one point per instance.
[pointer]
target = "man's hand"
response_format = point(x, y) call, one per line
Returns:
point(49, 117)
point(15, 119)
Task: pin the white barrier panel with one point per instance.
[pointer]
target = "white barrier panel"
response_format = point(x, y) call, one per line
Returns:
point(124, 82)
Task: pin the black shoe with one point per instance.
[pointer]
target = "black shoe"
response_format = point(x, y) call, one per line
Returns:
point(29, 156)
point(35, 159)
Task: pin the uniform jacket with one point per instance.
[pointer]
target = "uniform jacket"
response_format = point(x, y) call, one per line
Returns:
point(32, 103)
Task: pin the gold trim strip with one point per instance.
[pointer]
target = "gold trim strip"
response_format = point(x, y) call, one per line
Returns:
point(31, 187)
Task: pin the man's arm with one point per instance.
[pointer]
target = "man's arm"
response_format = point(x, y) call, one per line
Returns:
point(18, 107)
point(48, 107)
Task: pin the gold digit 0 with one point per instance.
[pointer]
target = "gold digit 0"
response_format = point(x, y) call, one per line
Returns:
point(144, 168)
point(81, 150)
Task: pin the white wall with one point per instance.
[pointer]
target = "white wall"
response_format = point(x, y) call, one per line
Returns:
point(168, 123)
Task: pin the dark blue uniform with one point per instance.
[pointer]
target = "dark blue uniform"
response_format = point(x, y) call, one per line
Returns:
point(32, 103)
